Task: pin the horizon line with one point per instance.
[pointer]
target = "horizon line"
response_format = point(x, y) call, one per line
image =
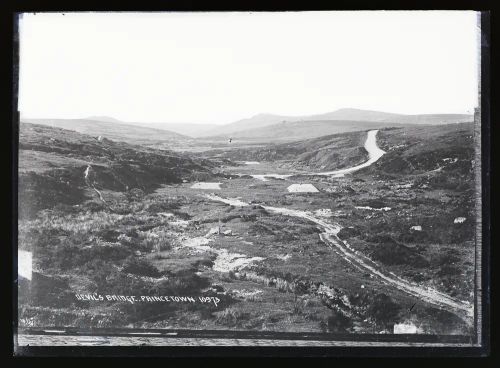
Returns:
point(93, 117)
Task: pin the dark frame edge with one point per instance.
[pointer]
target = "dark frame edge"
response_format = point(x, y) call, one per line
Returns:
point(482, 350)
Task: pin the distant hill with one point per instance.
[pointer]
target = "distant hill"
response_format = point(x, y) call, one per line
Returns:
point(298, 130)
point(353, 115)
point(107, 119)
point(115, 130)
point(261, 127)
point(188, 129)
point(257, 121)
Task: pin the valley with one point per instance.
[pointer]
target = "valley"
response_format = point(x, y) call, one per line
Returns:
point(377, 245)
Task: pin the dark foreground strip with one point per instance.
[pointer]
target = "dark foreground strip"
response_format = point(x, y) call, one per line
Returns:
point(131, 332)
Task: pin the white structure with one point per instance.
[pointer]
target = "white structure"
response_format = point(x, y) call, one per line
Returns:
point(206, 185)
point(302, 188)
point(405, 328)
point(24, 264)
point(416, 228)
point(459, 220)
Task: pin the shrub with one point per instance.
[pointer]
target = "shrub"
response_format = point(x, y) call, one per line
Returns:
point(164, 206)
point(105, 251)
point(108, 235)
point(135, 194)
point(383, 310)
point(348, 232)
point(337, 322)
point(449, 270)
point(140, 266)
point(393, 253)
point(231, 317)
point(45, 290)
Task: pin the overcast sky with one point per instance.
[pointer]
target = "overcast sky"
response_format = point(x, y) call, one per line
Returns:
point(221, 67)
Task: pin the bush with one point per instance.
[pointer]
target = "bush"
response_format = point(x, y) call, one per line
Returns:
point(106, 251)
point(45, 290)
point(231, 317)
point(135, 194)
point(337, 322)
point(393, 253)
point(384, 310)
point(348, 232)
point(108, 235)
point(449, 270)
point(164, 206)
point(140, 266)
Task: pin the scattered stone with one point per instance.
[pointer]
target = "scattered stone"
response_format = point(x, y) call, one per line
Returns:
point(341, 214)
point(283, 257)
point(226, 261)
point(244, 293)
point(213, 231)
point(181, 223)
point(165, 214)
point(217, 288)
point(123, 237)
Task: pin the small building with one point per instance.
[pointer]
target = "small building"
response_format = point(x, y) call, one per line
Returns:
point(302, 188)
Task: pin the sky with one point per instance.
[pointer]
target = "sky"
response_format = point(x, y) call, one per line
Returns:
point(222, 67)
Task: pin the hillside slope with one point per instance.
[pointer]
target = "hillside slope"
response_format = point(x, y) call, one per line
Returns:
point(58, 166)
point(430, 149)
point(409, 150)
point(187, 129)
point(116, 130)
point(294, 131)
point(324, 153)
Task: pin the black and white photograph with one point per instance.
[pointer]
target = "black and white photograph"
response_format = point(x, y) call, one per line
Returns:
point(249, 178)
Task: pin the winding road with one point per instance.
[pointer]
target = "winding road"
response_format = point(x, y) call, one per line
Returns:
point(330, 237)
point(374, 154)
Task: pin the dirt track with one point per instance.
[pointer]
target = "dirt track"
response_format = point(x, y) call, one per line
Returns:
point(360, 261)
